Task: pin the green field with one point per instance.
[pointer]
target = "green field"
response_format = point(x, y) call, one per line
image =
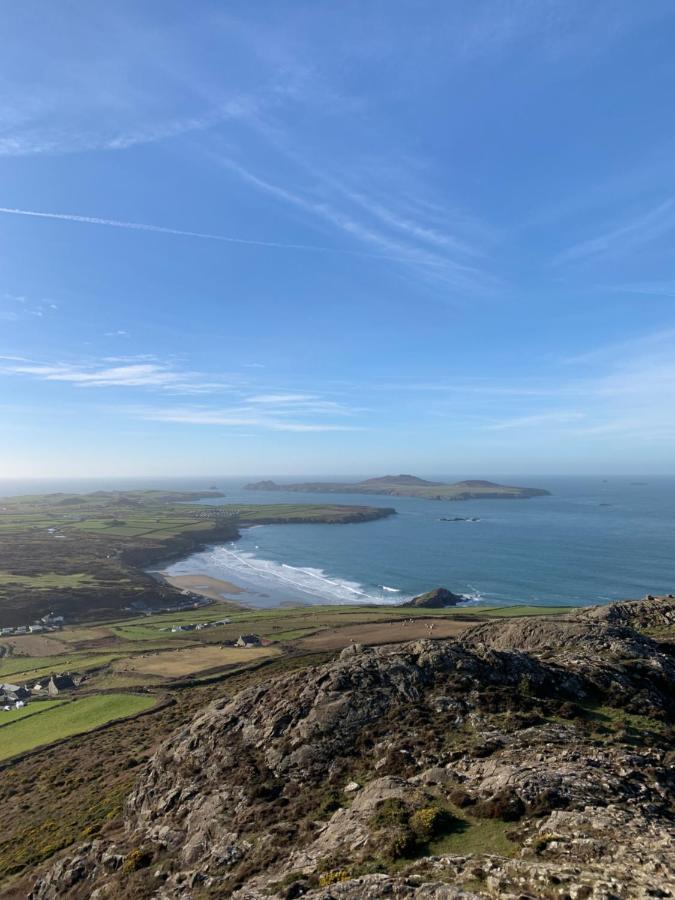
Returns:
point(69, 719)
point(32, 709)
point(26, 668)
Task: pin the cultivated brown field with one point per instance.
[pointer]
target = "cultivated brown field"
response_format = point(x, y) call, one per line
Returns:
point(35, 645)
point(177, 663)
point(384, 633)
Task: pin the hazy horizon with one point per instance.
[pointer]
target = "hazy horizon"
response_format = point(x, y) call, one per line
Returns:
point(291, 239)
point(131, 482)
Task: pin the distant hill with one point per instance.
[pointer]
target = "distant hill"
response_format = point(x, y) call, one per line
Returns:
point(408, 486)
point(400, 479)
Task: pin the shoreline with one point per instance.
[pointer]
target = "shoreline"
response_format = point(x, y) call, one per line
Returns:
point(225, 590)
point(205, 585)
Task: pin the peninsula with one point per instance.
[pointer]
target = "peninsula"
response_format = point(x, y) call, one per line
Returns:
point(84, 556)
point(409, 486)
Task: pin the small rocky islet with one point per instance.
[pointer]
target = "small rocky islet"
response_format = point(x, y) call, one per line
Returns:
point(527, 758)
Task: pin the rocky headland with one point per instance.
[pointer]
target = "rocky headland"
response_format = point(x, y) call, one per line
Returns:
point(529, 758)
point(437, 599)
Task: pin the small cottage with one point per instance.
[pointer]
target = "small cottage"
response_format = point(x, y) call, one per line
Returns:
point(58, 683)
point(14, 691)
point(247, 640)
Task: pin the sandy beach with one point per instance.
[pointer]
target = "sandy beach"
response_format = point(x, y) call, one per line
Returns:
point(214, 588)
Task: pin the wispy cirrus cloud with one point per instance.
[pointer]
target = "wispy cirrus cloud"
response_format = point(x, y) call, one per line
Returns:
point(291, 403)
point(625, 387)
point(240, 416)
point(392, 234)
point(627, 235)
point(54, 140)
point(557, 417)
point(160, 229)
point(150, 375)
point(620, 354)
point(290, 411)
point(282, 398)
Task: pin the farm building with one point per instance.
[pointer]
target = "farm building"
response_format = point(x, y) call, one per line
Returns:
point(247, 640)
point(65, 682)
point(12, 694)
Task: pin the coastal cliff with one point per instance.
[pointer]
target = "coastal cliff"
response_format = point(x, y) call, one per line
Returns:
point(526, 758)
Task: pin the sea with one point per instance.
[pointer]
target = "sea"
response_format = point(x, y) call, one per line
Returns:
point(593, 540)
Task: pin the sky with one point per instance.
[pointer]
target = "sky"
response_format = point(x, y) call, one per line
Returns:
point(287, 238)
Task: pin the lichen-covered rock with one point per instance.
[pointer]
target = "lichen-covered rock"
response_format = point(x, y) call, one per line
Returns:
point(652, 612)
point(550, 734)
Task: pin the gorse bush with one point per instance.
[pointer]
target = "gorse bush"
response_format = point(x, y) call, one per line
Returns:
point(391, 812)
point(401, 831)
point(333, 877)
point(137, 859)
point(428, 822)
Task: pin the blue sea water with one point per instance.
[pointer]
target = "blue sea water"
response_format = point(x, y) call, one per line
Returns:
point(591, 541)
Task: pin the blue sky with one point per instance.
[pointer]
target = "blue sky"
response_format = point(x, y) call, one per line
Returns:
point(303, 238)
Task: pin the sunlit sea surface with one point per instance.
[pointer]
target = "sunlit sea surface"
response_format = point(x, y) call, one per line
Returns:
point(591, 541)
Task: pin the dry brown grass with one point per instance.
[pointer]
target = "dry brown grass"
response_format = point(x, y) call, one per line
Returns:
point(35, 645)
point(176, 663)
point(384, 633)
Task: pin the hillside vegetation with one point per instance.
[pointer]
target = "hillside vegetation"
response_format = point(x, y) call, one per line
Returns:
point(526, 757)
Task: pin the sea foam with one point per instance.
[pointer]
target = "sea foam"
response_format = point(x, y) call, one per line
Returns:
point(265, 576)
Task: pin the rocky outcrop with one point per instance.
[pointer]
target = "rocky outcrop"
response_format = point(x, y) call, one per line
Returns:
point(650, 613)
point(529, 758)
point(436, 599)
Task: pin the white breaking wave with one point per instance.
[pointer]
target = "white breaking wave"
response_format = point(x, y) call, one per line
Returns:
point(254, 573)
point(390, 589)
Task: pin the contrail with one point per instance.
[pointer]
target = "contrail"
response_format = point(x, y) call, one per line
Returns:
point(160, 229)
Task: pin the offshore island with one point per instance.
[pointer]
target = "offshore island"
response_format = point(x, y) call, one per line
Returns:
point(409, 486)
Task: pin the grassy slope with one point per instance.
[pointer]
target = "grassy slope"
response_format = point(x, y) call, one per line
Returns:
point(25, 668)
point(33, 709)
point(50, 800)
point(69, 719)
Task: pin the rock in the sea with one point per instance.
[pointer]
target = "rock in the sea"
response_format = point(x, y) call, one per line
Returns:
point(436, 599)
